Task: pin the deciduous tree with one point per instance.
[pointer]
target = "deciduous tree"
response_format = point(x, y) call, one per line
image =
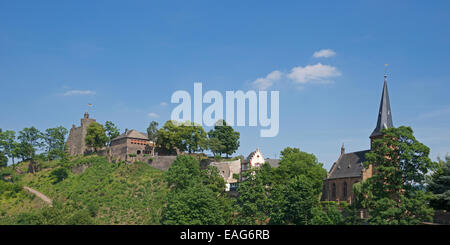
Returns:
point(440, 185)
point(55, 142)
point(96, 136)
point(152, 134)
point(226, 135)
point(392, 195)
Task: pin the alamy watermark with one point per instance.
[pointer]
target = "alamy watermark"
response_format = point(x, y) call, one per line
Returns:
point(257, 105)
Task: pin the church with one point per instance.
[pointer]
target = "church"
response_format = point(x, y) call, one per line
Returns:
point(349, 169)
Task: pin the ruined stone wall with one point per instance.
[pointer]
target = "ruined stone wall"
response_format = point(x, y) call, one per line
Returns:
point(75, 142)
point(227, 169)
point(162, 162)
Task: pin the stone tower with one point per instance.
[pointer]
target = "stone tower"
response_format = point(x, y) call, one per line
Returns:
point(75, 141)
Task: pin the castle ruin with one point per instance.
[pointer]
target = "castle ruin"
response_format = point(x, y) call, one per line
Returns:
point(75, 142)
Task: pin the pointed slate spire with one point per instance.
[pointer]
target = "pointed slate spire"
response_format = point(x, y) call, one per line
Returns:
point(384, 115)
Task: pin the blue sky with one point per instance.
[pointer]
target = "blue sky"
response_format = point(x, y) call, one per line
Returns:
point(128, 57)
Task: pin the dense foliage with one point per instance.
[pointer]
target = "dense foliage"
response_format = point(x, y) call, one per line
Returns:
point(227, 139)
point(440, 185)
point(196, 196)
point(286, 195)
point(393, 194)
point(96, 136)
point(87, 190)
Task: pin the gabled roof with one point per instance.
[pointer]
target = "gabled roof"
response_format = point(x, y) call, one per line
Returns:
point(384, 114)
point(348, 165)
point(250, 156)
point(132, 134)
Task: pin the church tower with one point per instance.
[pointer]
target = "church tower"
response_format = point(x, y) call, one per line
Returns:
point(384, 114)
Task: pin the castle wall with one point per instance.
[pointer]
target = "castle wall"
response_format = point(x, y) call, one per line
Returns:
point(75, 141)
point(119, 149)
point(74, 144)
point(162, 162)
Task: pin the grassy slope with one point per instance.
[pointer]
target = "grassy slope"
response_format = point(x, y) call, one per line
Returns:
point(115, 193)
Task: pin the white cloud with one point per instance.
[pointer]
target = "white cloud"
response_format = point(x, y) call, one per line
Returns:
point(163, 104)
point(265, 82)
point(313, 73)
point(436, 113)
point(153, 115)
point(79, 92)
point(324, 53)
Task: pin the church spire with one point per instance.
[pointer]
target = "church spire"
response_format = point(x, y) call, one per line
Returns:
point(384, 114)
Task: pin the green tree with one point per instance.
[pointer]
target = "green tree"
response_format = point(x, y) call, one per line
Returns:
point(184, 171)
point(196, 205)
point(440, 185)
point(111, 131)
point(31, 140)
point(193, 137)
point(300, 198)
point(215, 146)
point(152, 134)
point(284, 195)
point(327, 214)
point(8, 144)
point(59, 175)
point(21, 150)
point(294, 162)
point(226, 136)
point(253, 203)
point(169, 137)
point(3, 160)
point(400, 164)
point(96, 136)
point(55, 142)
point(196, 197)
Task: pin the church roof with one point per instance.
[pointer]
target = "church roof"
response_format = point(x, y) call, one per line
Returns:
point(384, 114)
point(132, 134)
point(348, 165)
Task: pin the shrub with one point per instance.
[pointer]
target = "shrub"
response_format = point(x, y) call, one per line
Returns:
point(59, 175)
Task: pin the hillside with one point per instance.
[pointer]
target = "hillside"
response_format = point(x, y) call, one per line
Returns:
point(93, 192)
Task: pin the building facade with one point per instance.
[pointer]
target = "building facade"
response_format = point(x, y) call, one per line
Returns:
point(130, 146)
point(348, 169)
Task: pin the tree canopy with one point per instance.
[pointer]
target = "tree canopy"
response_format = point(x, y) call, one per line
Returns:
point(288, 194)
point(111, 131)
point(55, 142)
point(96, 136)
point(228, 139)
point(196, 196)
point(393, 194)
point(440, 185)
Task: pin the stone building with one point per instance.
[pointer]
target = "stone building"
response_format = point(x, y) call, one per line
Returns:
point(227, 170)
point(131, 145)
point(75, 142)
point(349, 169)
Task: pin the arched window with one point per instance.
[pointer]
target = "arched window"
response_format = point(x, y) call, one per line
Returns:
point(138, 152)
point(345, 191)
point(333, 191)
